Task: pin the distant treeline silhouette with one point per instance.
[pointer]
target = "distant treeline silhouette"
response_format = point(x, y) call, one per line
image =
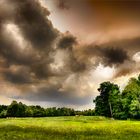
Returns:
point(16, 109)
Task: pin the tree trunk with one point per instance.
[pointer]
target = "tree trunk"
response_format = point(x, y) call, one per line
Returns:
point(110, 110)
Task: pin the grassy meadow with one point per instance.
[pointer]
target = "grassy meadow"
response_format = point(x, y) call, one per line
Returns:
point(68, 128)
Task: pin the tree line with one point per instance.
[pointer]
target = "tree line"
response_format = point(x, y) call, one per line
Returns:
point(18, 109)
point(119, 104)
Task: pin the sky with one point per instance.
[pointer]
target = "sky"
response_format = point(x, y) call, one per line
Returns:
point(57, 52)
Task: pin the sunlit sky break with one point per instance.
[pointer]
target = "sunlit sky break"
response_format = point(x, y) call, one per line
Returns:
point(57, 52)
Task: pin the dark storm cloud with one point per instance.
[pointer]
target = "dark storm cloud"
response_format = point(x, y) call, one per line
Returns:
point(108, 55)
point(42, 69)
point(31, 19)
point(31, 64)
point(130, 47)
point(114, 56)
point(76, 65)
point(35, 27)
point(14, 55)
point(67, 42)
point(53, 94)
point(112, 53)
point(21, 75)
point(11, 52)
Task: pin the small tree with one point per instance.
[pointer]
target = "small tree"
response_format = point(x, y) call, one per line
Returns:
point(16, 109)
point(12, 109)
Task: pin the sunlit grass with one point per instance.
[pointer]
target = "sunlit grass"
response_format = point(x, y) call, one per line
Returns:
point(68, 128)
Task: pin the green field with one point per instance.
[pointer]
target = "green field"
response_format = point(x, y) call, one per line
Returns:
point(68, 128)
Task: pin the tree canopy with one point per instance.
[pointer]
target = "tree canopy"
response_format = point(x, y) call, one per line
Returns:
point(108, 101)
point(121, 105)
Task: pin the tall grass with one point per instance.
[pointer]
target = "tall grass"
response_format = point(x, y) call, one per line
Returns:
point(68, 128)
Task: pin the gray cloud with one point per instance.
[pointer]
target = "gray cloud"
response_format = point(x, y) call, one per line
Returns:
point(20, 75)
point(35, 27)
point(31, 64)
point(55, 95)
point(112, 55)
point(30, 19)
point(67, 42)
point(107, 55)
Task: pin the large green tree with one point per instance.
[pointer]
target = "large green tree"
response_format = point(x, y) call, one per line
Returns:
point(108, 103)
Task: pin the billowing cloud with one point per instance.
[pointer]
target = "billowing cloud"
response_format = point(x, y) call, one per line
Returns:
point(35, 27)
point(109, 55)
point(42, 63)
point(67, 42)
